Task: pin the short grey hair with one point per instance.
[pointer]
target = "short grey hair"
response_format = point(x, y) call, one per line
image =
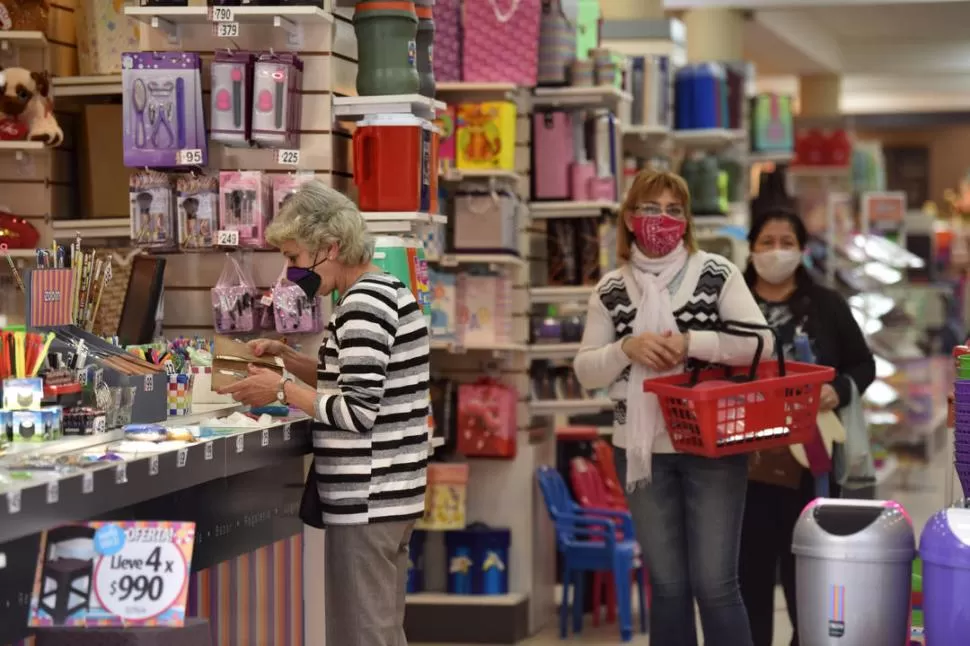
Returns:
point(317, 216)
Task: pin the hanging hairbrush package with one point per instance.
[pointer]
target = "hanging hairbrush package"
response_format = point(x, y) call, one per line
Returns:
point(152, 207)
point(244, 205)
point(234, 299)
point(232, 97)
point(162, 112)
point(277, 82)
point(294, 312)
point(561, 246)
point(284, 186)
point(198, 207)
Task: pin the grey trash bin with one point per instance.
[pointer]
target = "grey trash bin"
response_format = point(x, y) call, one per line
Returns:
point(853, 572)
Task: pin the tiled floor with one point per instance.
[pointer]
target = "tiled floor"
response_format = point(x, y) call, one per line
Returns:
point(920, 490)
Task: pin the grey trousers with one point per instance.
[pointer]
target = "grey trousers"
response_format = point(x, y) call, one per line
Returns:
point(365, 578)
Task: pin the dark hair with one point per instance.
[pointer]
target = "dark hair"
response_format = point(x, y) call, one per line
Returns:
point(803, 280)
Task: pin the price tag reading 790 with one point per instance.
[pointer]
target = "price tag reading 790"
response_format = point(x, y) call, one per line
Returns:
point(141, 571)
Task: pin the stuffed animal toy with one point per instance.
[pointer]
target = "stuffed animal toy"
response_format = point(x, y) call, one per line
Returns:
point(26, 109)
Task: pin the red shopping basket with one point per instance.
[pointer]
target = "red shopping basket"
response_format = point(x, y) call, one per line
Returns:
point(717, 412)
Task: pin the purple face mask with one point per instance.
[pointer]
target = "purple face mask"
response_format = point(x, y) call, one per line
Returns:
point(306, 279)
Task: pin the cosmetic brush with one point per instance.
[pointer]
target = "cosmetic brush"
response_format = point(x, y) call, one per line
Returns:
point(237, 92)
point(279, 77)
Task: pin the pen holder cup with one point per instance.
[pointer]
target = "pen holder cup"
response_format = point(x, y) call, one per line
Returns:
point(180, 394)
point(202, 392)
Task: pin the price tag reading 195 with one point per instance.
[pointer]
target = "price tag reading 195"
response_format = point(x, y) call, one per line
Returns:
point(226, 29)
point(190, 157)
point(142, 569)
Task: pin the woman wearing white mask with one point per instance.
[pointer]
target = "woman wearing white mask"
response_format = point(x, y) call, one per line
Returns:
point(778, 486)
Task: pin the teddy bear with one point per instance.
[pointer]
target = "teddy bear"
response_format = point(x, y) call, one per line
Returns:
point(26, 108)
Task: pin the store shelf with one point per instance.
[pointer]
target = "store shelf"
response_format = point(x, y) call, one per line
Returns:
point(542, 295)
point(399, 221)
point(708, 138)
point(18, 148)
point(68, 86)
point(645, 141)
point(456, 348)
point(12, 39)
point(456, 175)
point(355, 107)
point(548, 210)
point(597, 96)
point(475, 92)
point(93, 228)
point(569, 406)
point(773, 157)
point(837, 172)
point(553, 350)
point(248, 15)
point(18, 254)
point(444, 599)
point(457, 259)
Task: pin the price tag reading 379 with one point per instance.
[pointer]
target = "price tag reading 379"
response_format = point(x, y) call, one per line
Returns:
point(225, 29)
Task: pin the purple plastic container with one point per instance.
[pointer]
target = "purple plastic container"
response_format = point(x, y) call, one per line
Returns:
point(945, 549)
point(963, 473)
point(961, 388)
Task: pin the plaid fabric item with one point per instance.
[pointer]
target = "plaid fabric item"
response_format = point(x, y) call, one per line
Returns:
point(180, 394)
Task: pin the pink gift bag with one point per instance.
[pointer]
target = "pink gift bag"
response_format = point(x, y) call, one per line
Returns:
point(447, 41)
point(501, 41)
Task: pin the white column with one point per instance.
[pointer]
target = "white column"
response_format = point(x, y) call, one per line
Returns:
point(714, 34)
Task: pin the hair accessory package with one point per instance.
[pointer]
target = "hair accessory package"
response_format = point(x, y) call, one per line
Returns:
point(162, 116)
point(285, 186)
point(198, 207)
point(244, 205)
point(277, 80)
point(294, 312)
point(234, 299)
point(232, 95)
point(152, 210)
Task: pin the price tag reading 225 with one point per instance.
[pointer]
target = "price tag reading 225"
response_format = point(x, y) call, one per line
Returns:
point(141, 575)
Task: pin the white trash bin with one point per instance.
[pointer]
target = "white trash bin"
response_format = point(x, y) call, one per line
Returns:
point(853, 572)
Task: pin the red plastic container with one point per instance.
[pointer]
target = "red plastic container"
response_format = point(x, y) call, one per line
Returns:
point(389, 160)
point(716, 417)
point(838, 149)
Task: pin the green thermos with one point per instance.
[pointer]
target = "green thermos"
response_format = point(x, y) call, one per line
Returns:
point(425, 40)
point(386, 48)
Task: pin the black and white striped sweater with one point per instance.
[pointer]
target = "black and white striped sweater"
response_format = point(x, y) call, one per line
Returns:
point(370, 438)
point(709, 289)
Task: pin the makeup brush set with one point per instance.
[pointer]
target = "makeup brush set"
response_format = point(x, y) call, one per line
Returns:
point(236, 307)
point(162, 116)
point(294, 313)
point(256, 99)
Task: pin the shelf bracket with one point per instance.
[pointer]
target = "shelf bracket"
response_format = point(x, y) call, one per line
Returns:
point(168, 27)
point(294, 31)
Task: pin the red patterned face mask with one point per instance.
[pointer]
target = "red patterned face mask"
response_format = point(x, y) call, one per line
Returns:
point(658, 235)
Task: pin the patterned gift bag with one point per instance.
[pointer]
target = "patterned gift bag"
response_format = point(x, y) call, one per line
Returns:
point(447, 41)
point(500, 41)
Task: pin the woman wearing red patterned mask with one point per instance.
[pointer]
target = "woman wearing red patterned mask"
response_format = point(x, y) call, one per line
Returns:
point(654, 316)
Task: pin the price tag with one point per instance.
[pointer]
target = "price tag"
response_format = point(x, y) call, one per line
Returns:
point(87, 483)
point(225, 29)
point(240, 443)
point(208, 450)
point(140, 574)
point(288, 157)
point(227, 238)
point(449, 261)
point(266, 300)
point(13, 502)
point(286, 433)
point(191, 156)
point(264, 437)
point(53, 492)
point(149, 383)
point(220, 14)
point(100, 424)
point(153, 465)
point(121, 473)
point(181, 458)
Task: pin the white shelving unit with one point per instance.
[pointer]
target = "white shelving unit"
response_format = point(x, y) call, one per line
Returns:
point(547, 210)
point(561, 295)
point(22, 39)
point(459, 92)
point(399, 221)
point(230, 22)
point(457, 175)
point(92, 228)
point(570, 406)
point(710, 139)
point(356, 107)
point(596, 96)
point(555, 351)
point(77, 86)
point(491, 259)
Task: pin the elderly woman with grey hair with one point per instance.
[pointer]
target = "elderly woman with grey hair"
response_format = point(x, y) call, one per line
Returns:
point(369, 403)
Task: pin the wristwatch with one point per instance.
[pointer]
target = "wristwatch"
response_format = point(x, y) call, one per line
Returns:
point(281, 393)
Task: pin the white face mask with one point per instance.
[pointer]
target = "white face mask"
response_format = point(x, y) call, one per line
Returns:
point(778, 265)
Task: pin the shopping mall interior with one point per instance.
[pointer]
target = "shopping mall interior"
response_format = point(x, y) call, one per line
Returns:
point(519, 166)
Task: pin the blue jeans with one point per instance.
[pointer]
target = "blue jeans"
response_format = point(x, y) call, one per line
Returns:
point(688, 521)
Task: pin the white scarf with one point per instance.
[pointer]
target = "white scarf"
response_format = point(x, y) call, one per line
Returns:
point(655, 313)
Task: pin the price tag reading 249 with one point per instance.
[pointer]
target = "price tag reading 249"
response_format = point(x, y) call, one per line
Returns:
point(140, 574)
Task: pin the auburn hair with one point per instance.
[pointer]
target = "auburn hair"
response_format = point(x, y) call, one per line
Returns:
point(649, 185)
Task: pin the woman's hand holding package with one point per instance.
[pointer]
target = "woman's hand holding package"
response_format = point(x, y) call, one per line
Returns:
point(268, 348)
point(260, 388)
point(659, 352)
point(828, 398)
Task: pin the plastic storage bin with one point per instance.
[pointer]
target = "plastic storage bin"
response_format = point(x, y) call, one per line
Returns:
point(478, 560)
point(416, 562)
point(945, 549)
point(854, 561)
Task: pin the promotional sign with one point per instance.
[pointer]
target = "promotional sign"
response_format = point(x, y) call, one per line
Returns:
point(100, 574)
point(883, 211)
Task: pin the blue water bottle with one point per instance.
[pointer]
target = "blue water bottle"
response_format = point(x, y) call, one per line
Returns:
point(684, 98)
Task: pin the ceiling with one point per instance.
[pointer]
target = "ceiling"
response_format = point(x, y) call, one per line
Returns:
point(892, 56)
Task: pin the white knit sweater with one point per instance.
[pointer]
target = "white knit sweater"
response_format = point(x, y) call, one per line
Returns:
point(710, 289)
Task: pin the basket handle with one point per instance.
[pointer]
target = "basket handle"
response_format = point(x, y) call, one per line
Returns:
point(741, 328)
